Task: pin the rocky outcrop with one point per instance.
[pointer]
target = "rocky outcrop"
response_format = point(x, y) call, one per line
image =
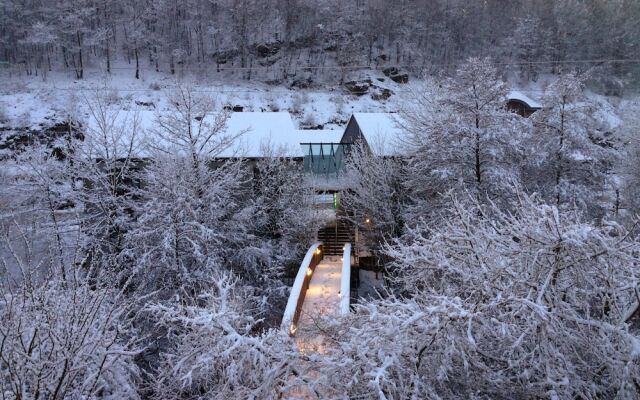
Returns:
point(396, 75)
point(381, 94)
point(267, 49)
point(234, 108)
point(17, 139)
point(358, 88)
point(302, 83)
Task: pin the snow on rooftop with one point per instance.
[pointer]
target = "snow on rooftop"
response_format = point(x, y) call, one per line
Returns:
point(259, 134)
point(517, 95)
point(122, 128)
point(382, 131)
point(262, 133)
point(320, 135)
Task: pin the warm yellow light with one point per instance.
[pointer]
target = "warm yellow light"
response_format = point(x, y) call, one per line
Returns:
point(368, 220)
point(309, 271)
point(292, 329)
point(318, 251)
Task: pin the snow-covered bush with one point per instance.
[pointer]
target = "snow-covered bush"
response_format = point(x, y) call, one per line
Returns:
point(299, 102)
point(37, 215)
point(105, 166)
point(64, 341)
point(283, 206)
point(491, 304)
point(215, 353)
point(309, 120)
point(187, 212)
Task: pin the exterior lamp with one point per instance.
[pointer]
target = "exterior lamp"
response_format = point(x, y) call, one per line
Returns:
point(318, 251)
point(367, 221)
point(292, 329)
point(309, 271)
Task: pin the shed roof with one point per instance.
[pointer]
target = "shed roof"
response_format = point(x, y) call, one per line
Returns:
point(519, 96)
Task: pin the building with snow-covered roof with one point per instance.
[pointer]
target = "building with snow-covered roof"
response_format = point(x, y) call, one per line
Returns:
point(261, 134)
point(522, 104)
point(323, 152)
point(271, 134)
point(382, 133)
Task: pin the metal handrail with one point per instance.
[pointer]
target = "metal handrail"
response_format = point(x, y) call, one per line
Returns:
point(299, 289)
point(345, 280)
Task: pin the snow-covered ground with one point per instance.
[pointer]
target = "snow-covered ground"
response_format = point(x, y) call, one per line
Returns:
point(371, 284)
point(33, 102)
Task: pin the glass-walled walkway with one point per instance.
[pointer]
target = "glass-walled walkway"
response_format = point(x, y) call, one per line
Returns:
point(324, 159)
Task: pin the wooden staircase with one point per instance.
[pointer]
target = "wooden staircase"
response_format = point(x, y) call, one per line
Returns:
point(334, 237)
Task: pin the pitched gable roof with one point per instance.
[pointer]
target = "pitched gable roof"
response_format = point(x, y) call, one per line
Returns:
point(382, 132)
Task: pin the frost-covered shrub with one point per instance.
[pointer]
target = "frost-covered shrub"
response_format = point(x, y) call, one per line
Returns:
point(23, 120)
point(214, 353)
point(112, 96)
point(272, 102)
point(309, 120)
point(64, 341)
point(376, 196)
point(298, 103)
point(461, 136)
point(338, 101)
point(284, 212)
point(571, 154)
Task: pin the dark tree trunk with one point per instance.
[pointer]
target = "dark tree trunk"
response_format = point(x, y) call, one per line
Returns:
point(135, 52)
point(79, 72)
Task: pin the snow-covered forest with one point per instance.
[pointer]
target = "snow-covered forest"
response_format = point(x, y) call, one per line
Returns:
point(301, 40)
point(145, 254)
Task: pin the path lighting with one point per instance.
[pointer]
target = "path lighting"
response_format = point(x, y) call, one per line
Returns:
point(318, 251)
point(367, 221)
point(309, 271)
point(292, 329)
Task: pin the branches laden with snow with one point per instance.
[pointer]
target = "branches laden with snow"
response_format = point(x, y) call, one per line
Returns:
point(491, 304)
point(461, 134)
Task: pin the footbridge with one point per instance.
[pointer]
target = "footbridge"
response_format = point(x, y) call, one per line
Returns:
point(322, 287)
